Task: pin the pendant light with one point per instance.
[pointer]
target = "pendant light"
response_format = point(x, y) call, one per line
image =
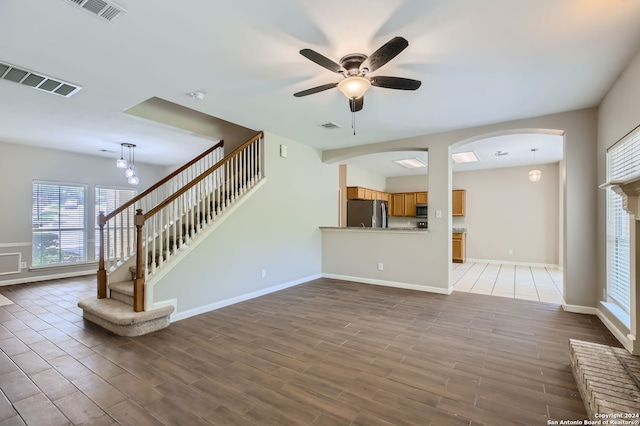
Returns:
point(534, 174)
point(121, 163)
point(129, 165)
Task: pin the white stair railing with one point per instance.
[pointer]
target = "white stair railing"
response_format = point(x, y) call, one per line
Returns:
point(186, 204)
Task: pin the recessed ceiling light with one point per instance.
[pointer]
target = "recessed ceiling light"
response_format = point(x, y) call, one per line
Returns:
point(464, 157)
point(410, 163)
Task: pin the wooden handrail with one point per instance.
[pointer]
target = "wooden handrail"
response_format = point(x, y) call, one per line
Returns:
point(162, 181)
point(195, 181)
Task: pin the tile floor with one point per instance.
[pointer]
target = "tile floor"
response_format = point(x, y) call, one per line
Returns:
point(513, 281)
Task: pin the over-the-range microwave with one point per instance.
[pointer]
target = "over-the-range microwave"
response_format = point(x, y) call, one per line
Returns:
point(422, 210)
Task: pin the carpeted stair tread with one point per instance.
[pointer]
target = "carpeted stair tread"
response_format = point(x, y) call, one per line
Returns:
point(120, 313)
point(124, 287)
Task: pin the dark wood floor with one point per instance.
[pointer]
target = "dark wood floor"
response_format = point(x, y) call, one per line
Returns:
point(322, 353)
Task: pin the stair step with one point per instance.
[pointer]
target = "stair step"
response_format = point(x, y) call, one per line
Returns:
point(119, 318)
point(122, 291)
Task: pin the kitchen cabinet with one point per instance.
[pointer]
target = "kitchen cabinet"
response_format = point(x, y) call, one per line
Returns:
point(355, 193)
point(397, 205)
point(360, 193)
point(422, 197)
point(404, 203)
point(458, 202)
point(458, 248)
point(410, 204)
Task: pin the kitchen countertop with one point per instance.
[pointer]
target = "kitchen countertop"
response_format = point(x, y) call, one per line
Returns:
point(396, 229)
point(360, 228)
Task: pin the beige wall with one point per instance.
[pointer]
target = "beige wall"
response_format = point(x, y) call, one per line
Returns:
point(579, 191)
point(416, 183)
point(365, 179)
point(20, 165)
point(276, 228)
point(506, 211)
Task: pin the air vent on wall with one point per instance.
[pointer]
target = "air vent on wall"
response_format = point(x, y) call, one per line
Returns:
point(329, 125)
point(100, 8)
point(37, 80)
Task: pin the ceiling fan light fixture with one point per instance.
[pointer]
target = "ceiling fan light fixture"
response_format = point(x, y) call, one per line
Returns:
point(354, 87)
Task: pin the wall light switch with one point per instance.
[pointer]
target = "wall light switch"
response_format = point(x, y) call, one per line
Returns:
point(23, 265)
point(438, 214)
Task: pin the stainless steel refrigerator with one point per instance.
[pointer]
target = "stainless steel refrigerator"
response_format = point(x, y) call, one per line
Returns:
point(367, 213)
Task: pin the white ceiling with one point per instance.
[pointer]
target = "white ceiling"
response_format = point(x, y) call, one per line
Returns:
point(480, 62)
point(517, 149)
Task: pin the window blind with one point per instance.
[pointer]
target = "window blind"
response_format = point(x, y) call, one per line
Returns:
point(623, 163)
point(58, 233)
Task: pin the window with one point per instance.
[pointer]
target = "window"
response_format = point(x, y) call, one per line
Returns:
point(107, 200)
point(623, 163)
point(58, 224)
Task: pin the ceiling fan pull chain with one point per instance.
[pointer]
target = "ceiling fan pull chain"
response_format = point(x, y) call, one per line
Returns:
point(353, 116)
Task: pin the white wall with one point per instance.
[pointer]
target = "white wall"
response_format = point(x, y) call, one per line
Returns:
point(365, 179)
point(276, 228)
point(505, 211)
point(20, 165)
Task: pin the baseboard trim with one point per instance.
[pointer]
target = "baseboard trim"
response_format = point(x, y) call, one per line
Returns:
point(577, 309)
point(395, 284)
point(510, 262)
point(177, 316)
point(47, 277)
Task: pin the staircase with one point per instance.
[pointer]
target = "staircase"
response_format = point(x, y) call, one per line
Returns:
point(153, 231)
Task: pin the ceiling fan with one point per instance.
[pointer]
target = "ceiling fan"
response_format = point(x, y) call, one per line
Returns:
point(354, 67)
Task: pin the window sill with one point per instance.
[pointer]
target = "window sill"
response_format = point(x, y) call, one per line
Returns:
point(618, 313)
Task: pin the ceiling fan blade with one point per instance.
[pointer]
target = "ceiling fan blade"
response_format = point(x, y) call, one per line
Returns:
point(321, 60)
point(356, 104)
point(315, 90)
point(395, 83)
point(387, 52)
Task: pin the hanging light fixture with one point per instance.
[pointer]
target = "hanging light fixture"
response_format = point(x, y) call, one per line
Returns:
point(354, 87)
point(129, 164)
point(534, 174)
point(121, 163)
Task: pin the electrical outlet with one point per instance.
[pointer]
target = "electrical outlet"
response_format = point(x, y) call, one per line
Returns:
point(510, 251)
point(23, 265)
point(264, 273)
point(380, 266)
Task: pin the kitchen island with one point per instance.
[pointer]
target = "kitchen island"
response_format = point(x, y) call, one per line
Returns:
point(411, 258)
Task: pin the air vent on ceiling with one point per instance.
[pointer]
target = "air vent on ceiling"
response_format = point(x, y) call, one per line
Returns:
point(100, 8)
point(330, 125)
point(37, 80)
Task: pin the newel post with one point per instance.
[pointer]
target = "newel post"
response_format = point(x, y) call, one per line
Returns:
point(102, 272)
point(138, 283)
